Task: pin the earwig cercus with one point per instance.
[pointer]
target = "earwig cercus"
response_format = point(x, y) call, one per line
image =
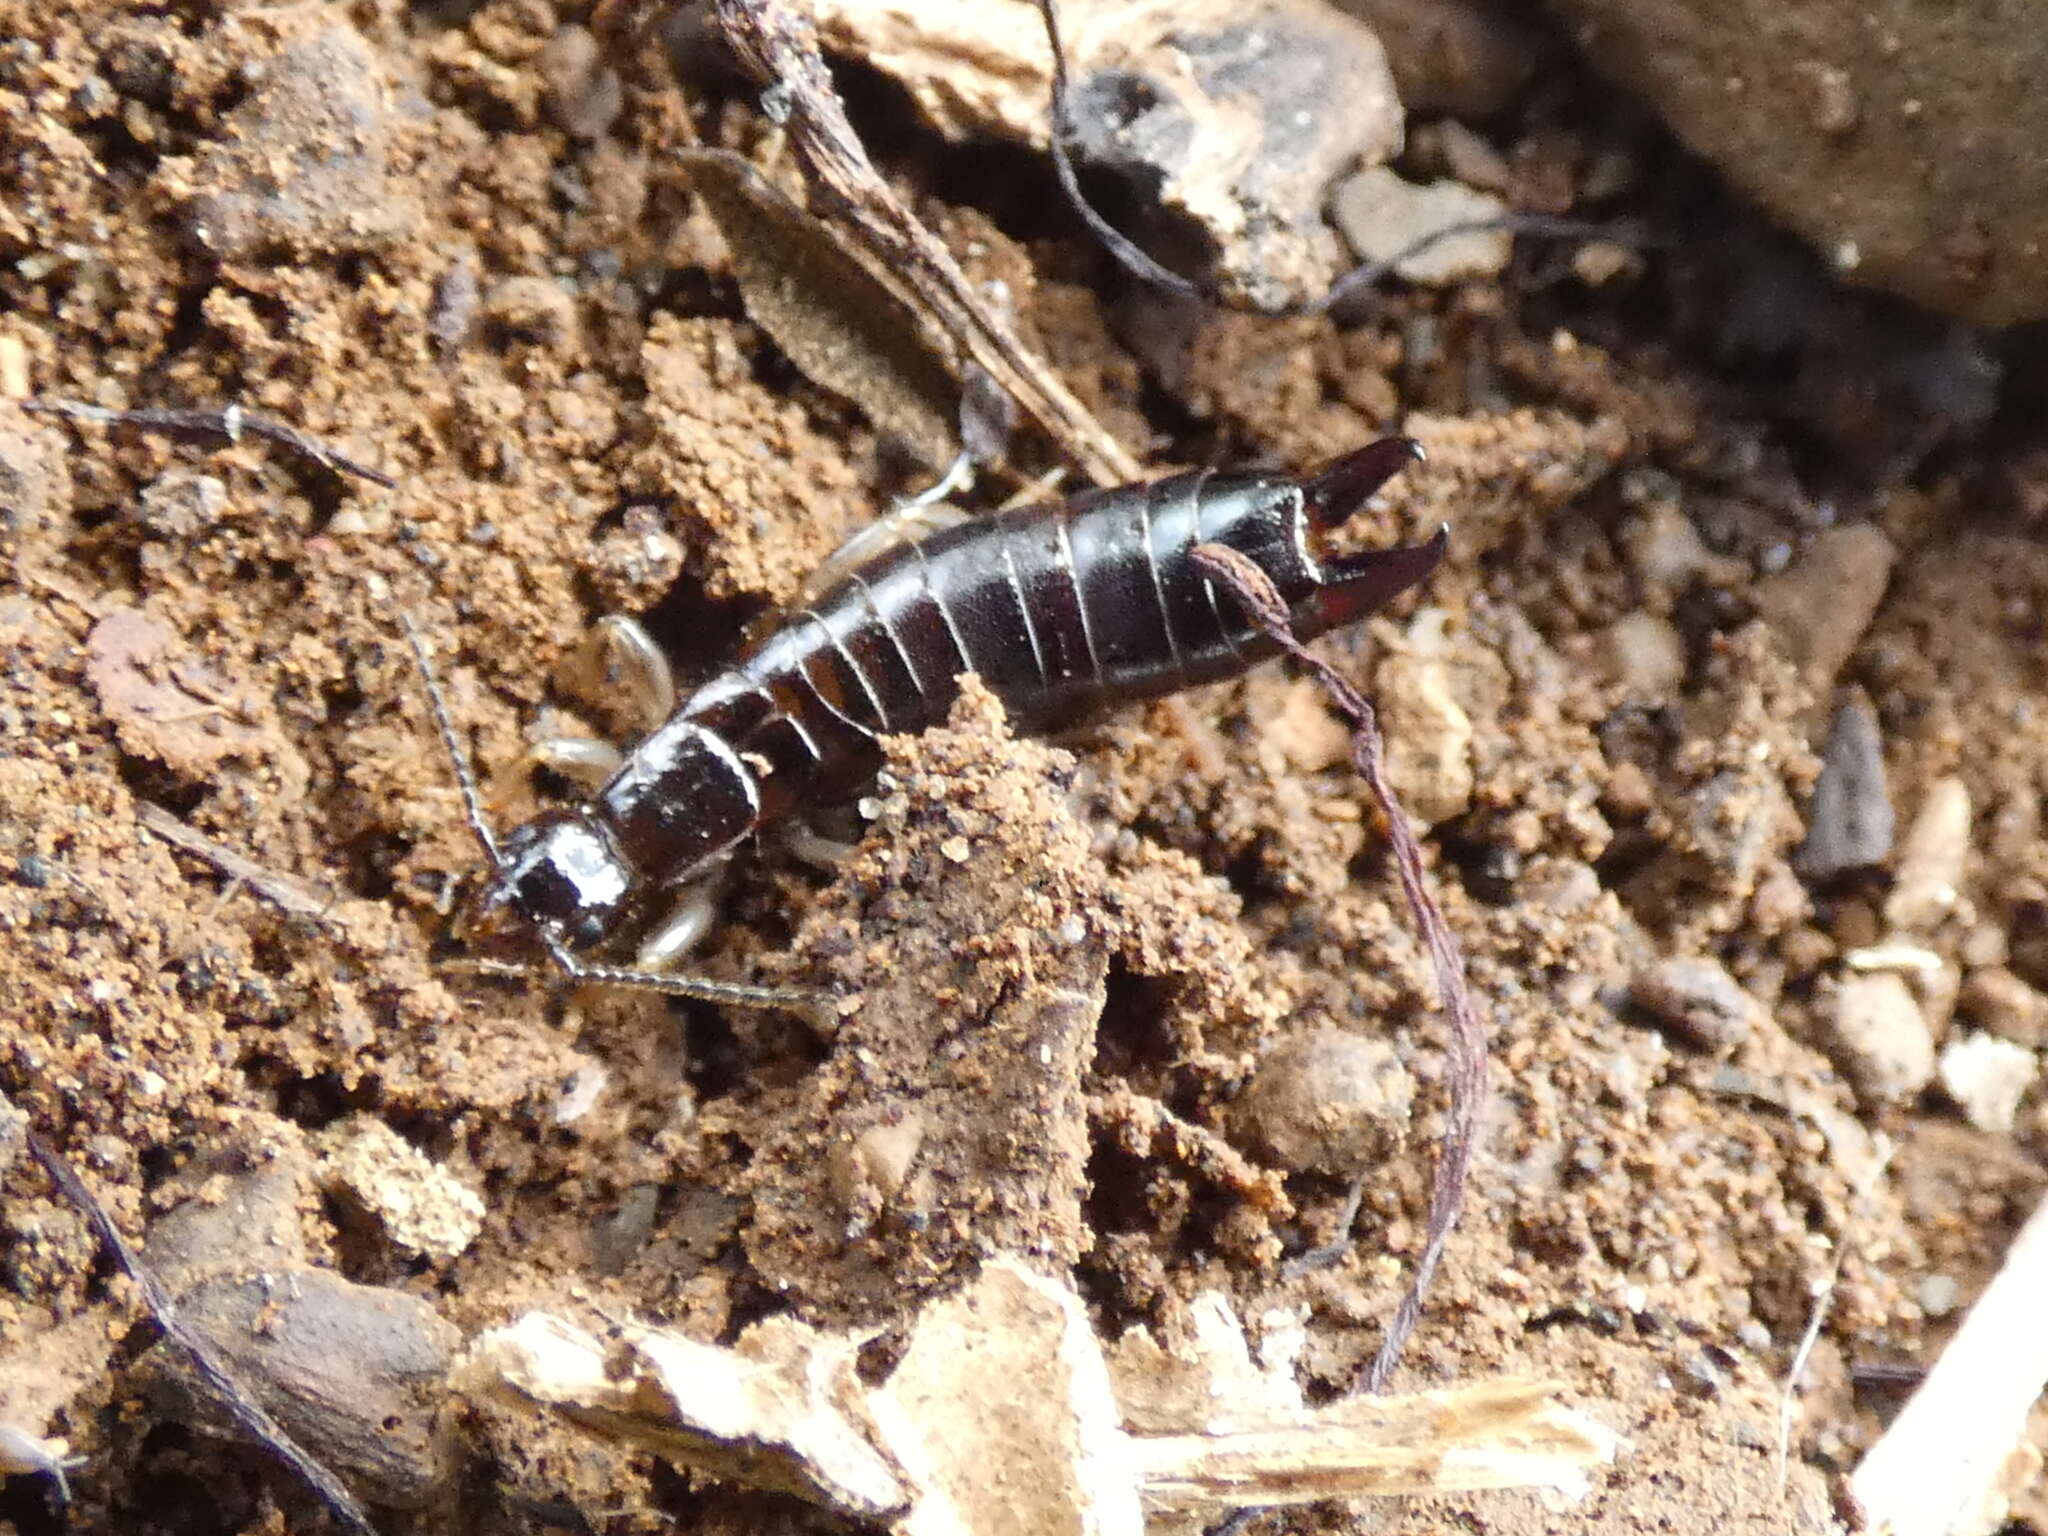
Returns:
point(1064, 610)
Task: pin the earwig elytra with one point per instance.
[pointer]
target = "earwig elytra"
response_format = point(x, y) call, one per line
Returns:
point(1064, 609)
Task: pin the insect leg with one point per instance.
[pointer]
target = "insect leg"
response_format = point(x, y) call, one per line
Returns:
point(620, 655)
point(582, 760)
point(677, 934)
point(815, 848)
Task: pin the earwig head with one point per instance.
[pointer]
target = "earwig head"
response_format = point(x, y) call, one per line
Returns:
point(563, 876)
point(1358, 584)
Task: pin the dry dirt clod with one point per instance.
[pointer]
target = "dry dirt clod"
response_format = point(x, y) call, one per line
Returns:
point(1327, 1101)
point(1987, 1077)
point(948, 1123)
point(418, 1204)
point(305, 163)
point(163, 708)
point(1699, 1001)
point(1878, 1033)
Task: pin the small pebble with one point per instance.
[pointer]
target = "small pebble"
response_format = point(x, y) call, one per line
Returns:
point(1645, 655)
point(1930, 864)
point(1880, 1037)
point(1939, 1294)
point(1383, 215)
point(420, 1205)
point(1698, 1001)
point(1327, 1101)
point(1428, 737)
point(584, 95)
point(456, 296)
point(617, 1239)
point(1820, 605)
point(1850, 823)
point(1987, 1077)
point(2001, 1004)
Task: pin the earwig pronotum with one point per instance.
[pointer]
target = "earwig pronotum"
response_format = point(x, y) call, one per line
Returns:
point(1064, 609)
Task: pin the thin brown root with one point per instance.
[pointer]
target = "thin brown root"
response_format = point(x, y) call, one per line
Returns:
point(1466, 1058)
point(248, 1414)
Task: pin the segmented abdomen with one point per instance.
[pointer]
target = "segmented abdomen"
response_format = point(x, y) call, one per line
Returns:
point(1063, 610)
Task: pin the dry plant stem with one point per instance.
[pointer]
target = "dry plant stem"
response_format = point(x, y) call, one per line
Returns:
point(253, 1418)
point(230, 422)
point(1141, 265)
point(1934, 1468)
point(779, 48)
point(1466, 1058)
point(287, 894)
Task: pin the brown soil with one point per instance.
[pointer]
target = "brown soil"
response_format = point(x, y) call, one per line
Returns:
point(1061, 965)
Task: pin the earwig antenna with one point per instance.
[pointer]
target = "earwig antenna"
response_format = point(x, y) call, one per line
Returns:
point(444, 722)
point(805, 1000)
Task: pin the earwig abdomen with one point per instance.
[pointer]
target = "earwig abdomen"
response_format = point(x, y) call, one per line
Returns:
point(1064, 611)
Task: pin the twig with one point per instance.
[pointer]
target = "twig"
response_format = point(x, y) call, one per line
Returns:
point(1142, 265)
point(779, 48)
point(1466, 1058)
point(249, 1414)
point(230, 422)
point(293, 896)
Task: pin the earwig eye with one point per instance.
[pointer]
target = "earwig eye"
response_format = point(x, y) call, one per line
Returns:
point(1341, 487)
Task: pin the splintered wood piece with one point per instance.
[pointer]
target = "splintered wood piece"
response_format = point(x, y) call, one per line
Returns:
point(1003, 1419)
point(779, 48)
point(1936, 1470)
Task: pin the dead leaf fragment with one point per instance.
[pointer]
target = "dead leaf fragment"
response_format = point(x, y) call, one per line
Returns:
point(160, 710)
point(827, 312)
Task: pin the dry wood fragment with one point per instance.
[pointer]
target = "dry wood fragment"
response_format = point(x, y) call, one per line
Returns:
point(1003, 1417)
point(779, 48)
point(1937, 1470)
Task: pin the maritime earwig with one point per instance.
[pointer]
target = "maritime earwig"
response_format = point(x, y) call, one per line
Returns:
point(1064, 610)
